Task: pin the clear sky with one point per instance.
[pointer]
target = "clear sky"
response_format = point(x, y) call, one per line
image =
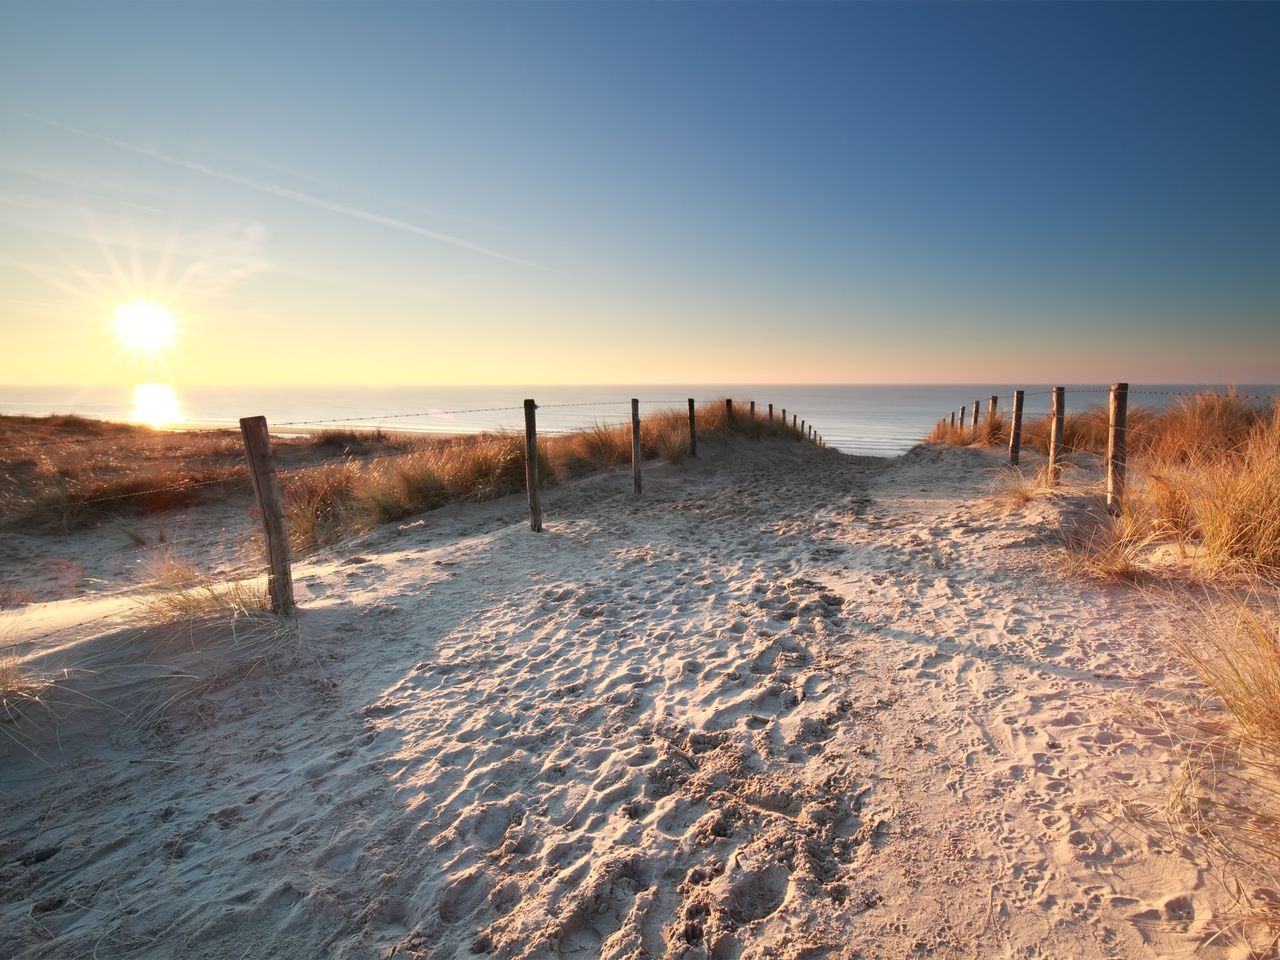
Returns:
point(422, 193)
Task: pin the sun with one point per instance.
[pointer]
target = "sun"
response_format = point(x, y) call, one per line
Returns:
point(144, 327)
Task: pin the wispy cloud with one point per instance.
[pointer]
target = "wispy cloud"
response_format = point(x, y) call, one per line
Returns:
point(276, 190)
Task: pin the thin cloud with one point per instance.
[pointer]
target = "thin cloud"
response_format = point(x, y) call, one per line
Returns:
point(275, 190)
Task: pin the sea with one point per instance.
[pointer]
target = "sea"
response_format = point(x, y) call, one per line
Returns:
point(871, 419)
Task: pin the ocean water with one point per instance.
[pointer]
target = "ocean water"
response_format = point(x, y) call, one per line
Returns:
point(881, 420)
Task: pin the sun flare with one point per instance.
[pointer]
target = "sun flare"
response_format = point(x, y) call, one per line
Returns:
point(156, 405)
point(144, 327)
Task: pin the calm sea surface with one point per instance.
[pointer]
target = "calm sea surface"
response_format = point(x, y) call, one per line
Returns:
point(881, 419)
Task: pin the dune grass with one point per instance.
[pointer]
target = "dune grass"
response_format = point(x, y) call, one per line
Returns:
point(1205, 472)
point(63, 473)
point(17, 687)
point(992, 431)
point(1113, 546)
point(329, 502)
point(1020, 485)
point(1235, 651)
point(1227, 802)
point(177, 590)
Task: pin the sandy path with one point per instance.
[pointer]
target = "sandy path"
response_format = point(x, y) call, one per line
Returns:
point(790, 704)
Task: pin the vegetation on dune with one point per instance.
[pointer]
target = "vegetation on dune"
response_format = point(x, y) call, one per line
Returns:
point(1204, 476)
point(62, 473)
point(991, 430)
point(327, 503)
point(1203, 473)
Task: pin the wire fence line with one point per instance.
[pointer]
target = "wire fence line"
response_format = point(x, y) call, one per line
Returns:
point(274, 488)
point(1120, 435)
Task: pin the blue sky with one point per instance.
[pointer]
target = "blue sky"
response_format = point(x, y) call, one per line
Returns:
point(648, 192)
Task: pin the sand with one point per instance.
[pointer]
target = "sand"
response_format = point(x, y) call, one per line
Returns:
point(788, 704)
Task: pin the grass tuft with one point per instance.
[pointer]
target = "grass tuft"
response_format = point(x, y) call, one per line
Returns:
point(1017, 486)
point(1113, 546)
point(178, 591)
point(1236, 654)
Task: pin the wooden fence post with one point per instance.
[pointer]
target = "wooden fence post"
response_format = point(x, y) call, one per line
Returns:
point(1055, 434)
point(693, 431)
point(752, 412)
point(953, 418)
point(794, 420)
point(1015, 429)
point(728, 409)
point(635, 445)
point(963, 411)
point(991, 408)
point(1117, 445)
point(771, 413)
point(531, 465)
point(262, 470)
point(977, 408)
point(784, 417)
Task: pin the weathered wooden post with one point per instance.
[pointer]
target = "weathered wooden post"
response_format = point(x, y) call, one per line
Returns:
point(977, 409)
point(693, 430)
point(728, 409)
point(1015, 429)
point(635, 445)
point(991, 409)
point(1117, 445)
point(771, 413)
point(266, 486)
point(795, 419)
point(531, 465)
point(963, 411)
point(751, 413)
point(953, 418)
point(801, 429)
point(1055, 433)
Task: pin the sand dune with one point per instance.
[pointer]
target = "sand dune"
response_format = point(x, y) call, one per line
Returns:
point(789, 704)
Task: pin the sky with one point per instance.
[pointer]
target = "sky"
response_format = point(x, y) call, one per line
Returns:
point(405, 193)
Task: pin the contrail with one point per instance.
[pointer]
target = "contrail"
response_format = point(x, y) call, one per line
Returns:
point(275, 190)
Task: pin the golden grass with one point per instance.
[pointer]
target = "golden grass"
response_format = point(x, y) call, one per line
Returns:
point(66, 505)
point(1018, 486)
point(1227, 500)
point(64, 473)
point(1113, 546)
point(324, 504)
point(329, 502)
point(1236, 653)
point(18, 688)
point(992, 431)
point(598, 447)
point(944, 434)
point(177, 590)
point(335, 482)
point(1205, 473)
point(1227, 801)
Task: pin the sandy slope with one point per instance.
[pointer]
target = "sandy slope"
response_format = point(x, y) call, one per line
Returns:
point(789, 704)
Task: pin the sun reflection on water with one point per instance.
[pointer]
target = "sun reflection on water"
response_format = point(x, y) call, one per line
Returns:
point(156, 405)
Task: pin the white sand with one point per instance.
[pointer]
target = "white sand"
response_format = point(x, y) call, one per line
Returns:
point(789, 704)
